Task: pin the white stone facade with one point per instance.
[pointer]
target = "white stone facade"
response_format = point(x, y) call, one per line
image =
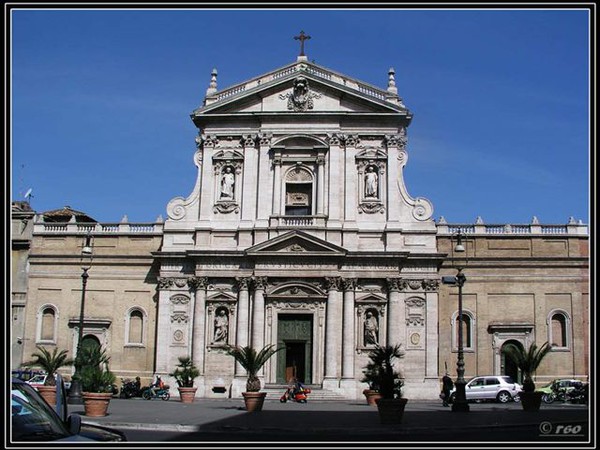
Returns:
point(298, 229)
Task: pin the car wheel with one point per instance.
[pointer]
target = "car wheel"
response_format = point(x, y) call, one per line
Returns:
point(503, 397)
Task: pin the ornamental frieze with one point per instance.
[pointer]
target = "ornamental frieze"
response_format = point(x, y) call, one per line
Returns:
point(180, 299)
point(396, 284)
point(352, 140)
point(196, 283)
point(226, 207)
point(209, 140)
point(415, 302)
point(179, 317)
point(249, 140)
point(259, 283)
point(431, 285)
point(414, 284)
point(349, 284)
point(332, 283)
point(242, 283)
point(264, 139)
point(165, 283)
point(281, 305)
point(371, 208)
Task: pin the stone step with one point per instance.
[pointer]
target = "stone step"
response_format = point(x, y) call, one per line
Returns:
point(317, 393)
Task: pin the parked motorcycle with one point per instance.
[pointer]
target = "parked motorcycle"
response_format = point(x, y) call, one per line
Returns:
point(579, 394)
point(130, 388)
point(300, 395)
point(159, 393)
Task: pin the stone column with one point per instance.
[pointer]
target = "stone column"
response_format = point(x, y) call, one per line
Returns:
point(333, 332)
point(349, 340)
point(336, 193)
point(265, 181)
point(258, 313)
point(277, 186)
point(321, 185)
point(395, 317)
point(249, 179)
point(242, 319)
point(163, 326)
point(432, 340)
point(198, 287)
point(206, 192)
point(351, 179)
point(394, 176)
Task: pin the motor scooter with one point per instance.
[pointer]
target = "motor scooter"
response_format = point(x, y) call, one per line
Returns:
point(159, 393)
point(300, 395)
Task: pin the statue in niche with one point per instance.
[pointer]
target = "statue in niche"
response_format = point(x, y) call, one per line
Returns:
point(371, 329)
point(371, 182)
point(221, 327)
point(227, 183)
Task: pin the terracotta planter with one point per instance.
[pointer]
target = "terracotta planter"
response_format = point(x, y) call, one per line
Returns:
point(531, 401)
point(48, 393)
point(95, 403)
point(371, 395)
point(391, 410)
point(254, 400)
point(187, 394)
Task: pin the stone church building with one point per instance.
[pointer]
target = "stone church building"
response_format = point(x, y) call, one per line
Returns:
point(300, 232)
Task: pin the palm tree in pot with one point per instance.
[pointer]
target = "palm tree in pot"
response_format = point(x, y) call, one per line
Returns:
point(49, 363)
point(185, 374)
point(382, 372)
point(97, 381)
point(371, 376)
point(252, 361)
point(528, 361)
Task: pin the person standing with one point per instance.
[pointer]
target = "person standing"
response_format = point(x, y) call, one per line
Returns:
point(447, 386)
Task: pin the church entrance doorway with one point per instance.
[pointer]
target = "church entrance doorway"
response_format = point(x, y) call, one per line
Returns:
point(294, 335)
point(508, 366)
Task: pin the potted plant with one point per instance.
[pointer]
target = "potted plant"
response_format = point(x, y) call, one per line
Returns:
point(184, 375)
point(252, 361)
point(382, 373)
point(371, 377)
point(96, 380)
point(50, 363)
point(528, 361)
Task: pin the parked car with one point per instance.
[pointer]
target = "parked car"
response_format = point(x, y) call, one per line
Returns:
point(500, 388)
point(40, 379)
point(34, 420)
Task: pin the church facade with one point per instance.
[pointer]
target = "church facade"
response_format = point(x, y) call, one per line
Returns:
point(301, 233)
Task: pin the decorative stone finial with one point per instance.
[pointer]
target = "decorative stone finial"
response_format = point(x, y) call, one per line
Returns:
point(572, 220)
point(392, 82)
point(479, 220)
point(160, 219)
point(212, 87)
point(125, 219)
point(442, 220)
point(535, 221)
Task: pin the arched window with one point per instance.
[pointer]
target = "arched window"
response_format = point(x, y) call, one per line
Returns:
point(46, 324)
point(468, 323)
point(559, 330)
point(299, 192)
point(135, 327)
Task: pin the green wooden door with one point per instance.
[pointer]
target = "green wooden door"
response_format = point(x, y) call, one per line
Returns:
point(294, 333)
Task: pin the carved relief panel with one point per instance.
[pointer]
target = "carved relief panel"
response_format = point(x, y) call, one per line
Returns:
point(179, 318)
point(415, 323)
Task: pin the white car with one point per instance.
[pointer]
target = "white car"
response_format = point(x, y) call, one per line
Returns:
point(40, 379)
point(500, 388)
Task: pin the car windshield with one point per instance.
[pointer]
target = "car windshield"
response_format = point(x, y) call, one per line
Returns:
point(32, 418)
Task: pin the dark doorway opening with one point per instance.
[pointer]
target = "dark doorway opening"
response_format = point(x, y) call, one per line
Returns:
point(295, 336)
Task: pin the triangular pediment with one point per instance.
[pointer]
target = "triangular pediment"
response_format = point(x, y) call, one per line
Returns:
point(327, 91)
point(296, 243)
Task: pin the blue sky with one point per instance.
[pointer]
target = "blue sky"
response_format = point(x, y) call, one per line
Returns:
point(101, 101)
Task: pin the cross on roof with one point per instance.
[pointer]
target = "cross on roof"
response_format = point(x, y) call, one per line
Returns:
point(303, 37)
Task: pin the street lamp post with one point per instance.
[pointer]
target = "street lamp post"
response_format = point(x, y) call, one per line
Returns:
point(75, 396)
point(460, 400)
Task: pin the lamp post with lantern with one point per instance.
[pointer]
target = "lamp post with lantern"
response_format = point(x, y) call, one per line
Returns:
point(75, 396)
point(460, 400)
